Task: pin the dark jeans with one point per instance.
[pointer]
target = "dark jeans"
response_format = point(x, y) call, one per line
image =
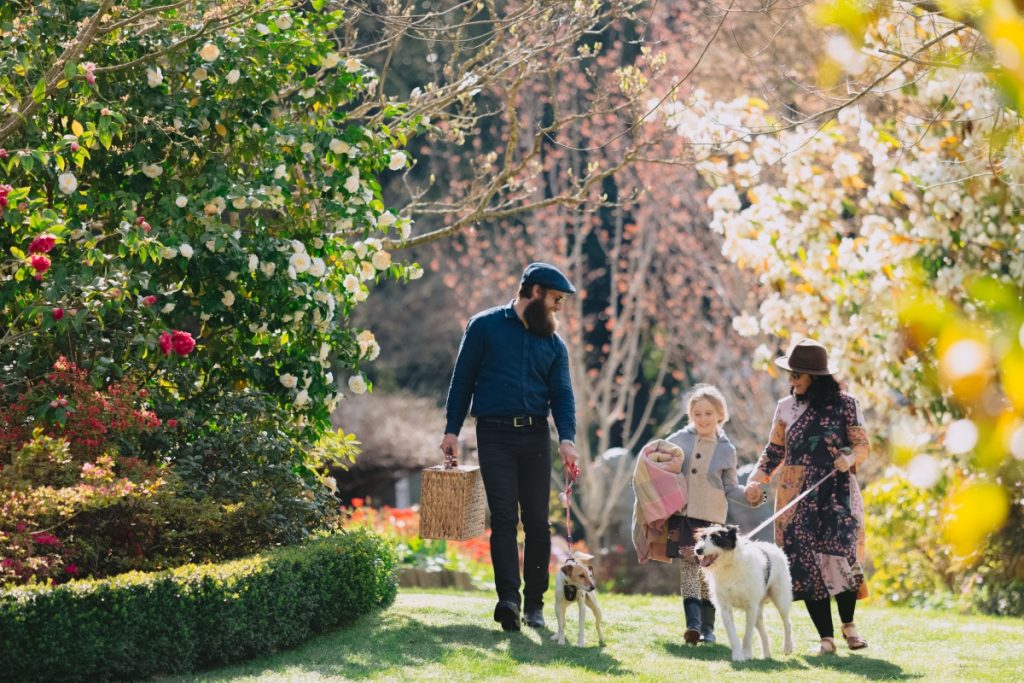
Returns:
point(516, 467)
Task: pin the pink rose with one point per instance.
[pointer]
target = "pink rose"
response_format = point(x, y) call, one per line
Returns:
point(40, 263)
point(165, 342)
point(58, 313)
point(42, 244)
point(182, 343)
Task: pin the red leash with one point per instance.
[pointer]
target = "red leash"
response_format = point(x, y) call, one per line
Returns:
point(572, 471)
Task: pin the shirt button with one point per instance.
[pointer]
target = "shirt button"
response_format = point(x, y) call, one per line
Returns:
point(698, 456)
point(693, 471)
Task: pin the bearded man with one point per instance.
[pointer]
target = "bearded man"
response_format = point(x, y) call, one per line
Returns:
point(514, 369)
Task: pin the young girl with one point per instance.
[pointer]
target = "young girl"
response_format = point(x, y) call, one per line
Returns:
point(710, 468)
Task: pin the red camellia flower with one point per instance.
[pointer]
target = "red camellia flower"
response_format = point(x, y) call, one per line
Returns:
point(58, 313)
point(165, 342)
point(182, 342)
point(42, 244)
point(40, 263)
point(172, 423)
point(149, 300)
point(72, 569)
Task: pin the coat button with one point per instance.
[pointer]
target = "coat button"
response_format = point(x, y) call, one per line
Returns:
point(698, 456)
point(694, 470)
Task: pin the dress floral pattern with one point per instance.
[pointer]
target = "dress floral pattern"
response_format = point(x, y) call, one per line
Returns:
point(823, 534)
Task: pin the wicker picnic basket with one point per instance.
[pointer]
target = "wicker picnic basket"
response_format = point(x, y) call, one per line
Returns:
point(452, 502)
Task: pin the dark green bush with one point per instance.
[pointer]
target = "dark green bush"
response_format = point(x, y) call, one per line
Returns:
point(138, 625)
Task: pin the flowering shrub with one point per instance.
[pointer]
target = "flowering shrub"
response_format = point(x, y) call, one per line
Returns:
point(401, 526)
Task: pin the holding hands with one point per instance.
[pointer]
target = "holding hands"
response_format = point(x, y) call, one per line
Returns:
point(753, 492)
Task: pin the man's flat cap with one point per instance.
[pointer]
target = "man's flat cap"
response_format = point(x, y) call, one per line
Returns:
point(546, 275)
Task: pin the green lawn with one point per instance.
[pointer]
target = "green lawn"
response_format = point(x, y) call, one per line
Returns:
point(448, 636)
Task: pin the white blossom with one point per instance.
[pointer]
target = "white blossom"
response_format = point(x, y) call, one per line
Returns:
point(233, 76)
point(228, 299)
point(356, 384)
point(154, 76)
point(185, 250)
point(397, 160)
point(288, 380)
point(67, 182)
point(209, 52)
point(181, 201)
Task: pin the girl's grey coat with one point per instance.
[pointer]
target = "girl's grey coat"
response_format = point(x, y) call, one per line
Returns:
point(706, 497)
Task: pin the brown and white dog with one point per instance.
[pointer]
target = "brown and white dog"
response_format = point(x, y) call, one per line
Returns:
point(744, 575)
point(574, 583)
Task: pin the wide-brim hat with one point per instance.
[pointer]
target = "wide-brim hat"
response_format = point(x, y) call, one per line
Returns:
point(807, 356)
point(547, 276)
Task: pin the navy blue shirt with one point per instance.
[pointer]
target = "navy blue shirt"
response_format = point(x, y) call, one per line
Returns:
point(506, 370)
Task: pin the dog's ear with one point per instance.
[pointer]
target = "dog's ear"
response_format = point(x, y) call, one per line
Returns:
point(582, 556)
point(567, 569)
point(733, 531)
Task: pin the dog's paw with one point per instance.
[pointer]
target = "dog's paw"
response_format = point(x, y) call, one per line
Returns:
point(787, 649)
point(740, 656)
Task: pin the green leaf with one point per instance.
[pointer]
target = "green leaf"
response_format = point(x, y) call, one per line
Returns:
point(70, 69)
point(39, 92)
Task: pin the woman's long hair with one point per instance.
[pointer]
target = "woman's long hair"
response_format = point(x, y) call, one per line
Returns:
point(823, 392)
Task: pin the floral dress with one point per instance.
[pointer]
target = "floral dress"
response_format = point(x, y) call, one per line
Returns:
point(823, 534)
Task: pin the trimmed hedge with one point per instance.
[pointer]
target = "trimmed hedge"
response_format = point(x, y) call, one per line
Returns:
point(138, 625)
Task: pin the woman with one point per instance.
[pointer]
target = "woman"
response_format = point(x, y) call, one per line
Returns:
point(818, 430)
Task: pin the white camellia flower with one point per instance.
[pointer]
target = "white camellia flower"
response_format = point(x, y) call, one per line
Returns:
point(232, 276)
point(200, 75)
point(386, 220)
point(318, 243)
point(356, 384)
point(306, 147)
point(283, 21)
point(239, 202)
point(317, 268)
point(185, 250)
point(381, 260)
point(167, 308)
point(397, 161)
point(352, 65)
point(352, 182)
point(289, 381)
point(281, 171)
point(152, 170)
point(374, 243)
point(181, 201)
point(300, 261)
point(746, 325)
point(254, 261)
point(262, 29)
point(302, 398)
point(339, 146)
point(360, 296)
point(154, 76)
point(331, 60)
point(415, 272)
point(307, 93)
point(228, 299)
point(209, 52)
point(169, 252)
point(67, 182)
point(211, 245)
point(298, 246)
point(367, 271)
point(360, 248)
point(351, 284)
point(233, 76)
point(268, 268)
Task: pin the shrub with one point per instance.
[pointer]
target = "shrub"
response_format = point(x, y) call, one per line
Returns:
point(138, 625)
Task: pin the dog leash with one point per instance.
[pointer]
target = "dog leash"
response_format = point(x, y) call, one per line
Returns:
point(571, 473)
point(789, 505)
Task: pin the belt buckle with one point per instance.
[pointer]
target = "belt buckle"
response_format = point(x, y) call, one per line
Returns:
point(525, 421)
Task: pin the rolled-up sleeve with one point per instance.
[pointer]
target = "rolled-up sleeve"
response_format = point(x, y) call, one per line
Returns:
point(856, 433)
point(563, 404)
point(467, 366)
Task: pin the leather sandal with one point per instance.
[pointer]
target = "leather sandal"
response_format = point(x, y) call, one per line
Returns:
point(827, 647)
point(853, 639)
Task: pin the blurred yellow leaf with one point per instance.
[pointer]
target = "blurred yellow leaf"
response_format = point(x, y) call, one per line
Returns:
point(972, 512)
point(76, 128)
point(1011, 368)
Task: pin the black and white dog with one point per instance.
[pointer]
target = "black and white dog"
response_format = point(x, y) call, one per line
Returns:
point(744, 574)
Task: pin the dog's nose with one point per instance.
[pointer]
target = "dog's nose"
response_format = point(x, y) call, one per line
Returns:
point(699, 550)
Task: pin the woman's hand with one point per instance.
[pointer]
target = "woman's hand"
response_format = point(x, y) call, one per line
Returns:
point(843, 462)
point(753, 492)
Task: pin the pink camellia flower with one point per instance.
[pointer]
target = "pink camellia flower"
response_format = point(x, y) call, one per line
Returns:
point(182, 342)
point(3, 153)
point(44, 538)
point(42, 244)
point(88, 68)
point(40, 263)
point(165, 342)
point(74, 146)
point(172, 423)
point(148, 300)
point(58, 313)
point(71, 569)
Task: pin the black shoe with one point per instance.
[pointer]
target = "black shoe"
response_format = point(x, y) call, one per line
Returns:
point(691, 610)
point(506, 613)
point(534, 617)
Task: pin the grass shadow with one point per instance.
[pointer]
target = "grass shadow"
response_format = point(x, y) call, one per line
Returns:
point(385, 641)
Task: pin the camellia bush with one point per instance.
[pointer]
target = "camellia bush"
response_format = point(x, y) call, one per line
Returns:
point(189, 205)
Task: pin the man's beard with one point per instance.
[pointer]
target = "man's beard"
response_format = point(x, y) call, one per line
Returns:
point(538, 319)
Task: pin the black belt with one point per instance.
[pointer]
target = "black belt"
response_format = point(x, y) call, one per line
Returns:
point(516, 421)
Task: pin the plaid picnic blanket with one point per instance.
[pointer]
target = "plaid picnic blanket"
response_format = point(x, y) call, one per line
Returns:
point(660, 493)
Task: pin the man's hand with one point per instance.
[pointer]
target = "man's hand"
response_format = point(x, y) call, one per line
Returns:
point(569, 456)
point(450, 448)
point(753, 492)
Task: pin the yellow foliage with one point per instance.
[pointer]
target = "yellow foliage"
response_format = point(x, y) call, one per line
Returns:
point(972, 512)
